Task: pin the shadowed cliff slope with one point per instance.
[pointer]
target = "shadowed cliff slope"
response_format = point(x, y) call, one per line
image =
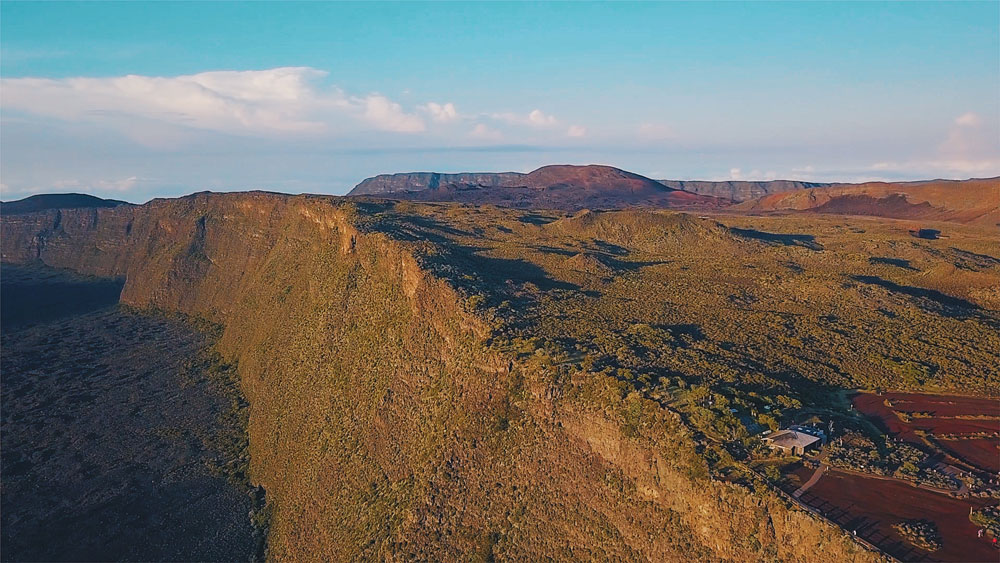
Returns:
point(385, 421)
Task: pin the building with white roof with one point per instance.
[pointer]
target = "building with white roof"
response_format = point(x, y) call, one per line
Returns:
point(790, 441)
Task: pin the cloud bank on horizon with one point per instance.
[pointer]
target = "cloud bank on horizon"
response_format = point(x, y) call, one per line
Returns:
point(276, 102)
point(307, 128)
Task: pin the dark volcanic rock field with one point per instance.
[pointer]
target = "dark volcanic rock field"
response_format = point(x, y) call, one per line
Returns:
point(106, 433)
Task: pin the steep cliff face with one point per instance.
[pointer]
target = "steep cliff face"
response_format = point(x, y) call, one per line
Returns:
point(383, 423)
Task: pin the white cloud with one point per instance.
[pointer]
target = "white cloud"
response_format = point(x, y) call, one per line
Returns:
point(123, 185)
point(168, 113)
point(222, 101)
point(755, 175)
point(535, 118)
point(285, 100)
point(969, 119)
point(389, 116)
point(481, 131)
point(970, 148)
point(944, 168)
point(441, 112)
point(889, 171)
point(969, 139)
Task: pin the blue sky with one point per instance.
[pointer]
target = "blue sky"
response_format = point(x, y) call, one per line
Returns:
point(137, 100)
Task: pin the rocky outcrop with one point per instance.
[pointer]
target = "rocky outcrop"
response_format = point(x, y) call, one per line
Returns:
point(383, 424)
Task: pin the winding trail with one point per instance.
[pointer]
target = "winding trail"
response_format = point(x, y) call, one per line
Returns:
point(812, 481)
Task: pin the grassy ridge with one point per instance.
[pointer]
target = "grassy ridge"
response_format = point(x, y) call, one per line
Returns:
point(440, 382)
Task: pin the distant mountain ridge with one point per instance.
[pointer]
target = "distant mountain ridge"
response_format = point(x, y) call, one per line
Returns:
point(740, 190)
point(734, 190)
point(562, 186)
point(416, 181)
point(41, 202)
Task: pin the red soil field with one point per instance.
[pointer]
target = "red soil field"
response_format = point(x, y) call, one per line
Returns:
point(954, 425)
point(984, 454)
point(871, 506)
point(943, 405)
point(940, 405)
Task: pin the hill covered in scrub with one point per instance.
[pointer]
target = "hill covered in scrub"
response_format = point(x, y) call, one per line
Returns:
point(441, 382)
point(42, 202)
point(967, 201)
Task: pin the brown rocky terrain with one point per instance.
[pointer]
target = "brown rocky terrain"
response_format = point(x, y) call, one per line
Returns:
point(386, 423)
point(974, 201)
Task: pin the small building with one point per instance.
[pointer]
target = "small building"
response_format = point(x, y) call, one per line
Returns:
point(812, 430)
point(792, 442)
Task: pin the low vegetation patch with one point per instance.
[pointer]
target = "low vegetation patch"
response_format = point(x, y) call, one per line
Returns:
point(987, 517)
point(920, 533)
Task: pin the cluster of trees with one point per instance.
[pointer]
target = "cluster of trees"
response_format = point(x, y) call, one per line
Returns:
point(899, 459)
